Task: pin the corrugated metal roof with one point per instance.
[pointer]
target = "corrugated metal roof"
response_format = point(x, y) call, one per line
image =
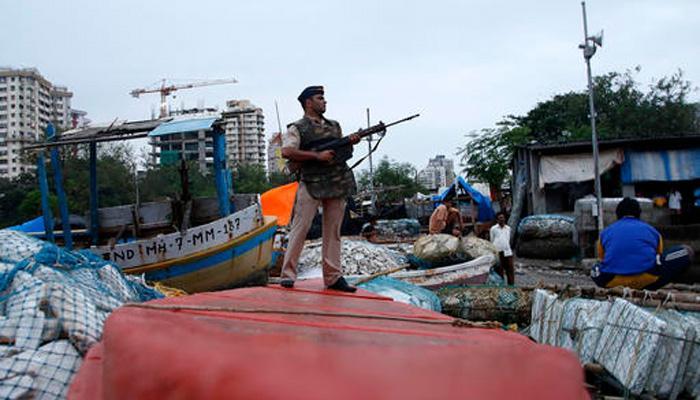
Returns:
point(187, 125)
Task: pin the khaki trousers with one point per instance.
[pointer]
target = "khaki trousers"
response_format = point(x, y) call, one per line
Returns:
point(305, 208)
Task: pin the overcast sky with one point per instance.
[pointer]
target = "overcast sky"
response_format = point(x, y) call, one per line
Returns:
point(461, 64)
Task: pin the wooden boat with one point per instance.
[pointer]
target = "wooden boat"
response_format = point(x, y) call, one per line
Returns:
point(194, 244)
point(471, 272)
point(229, 252)
point(310, 343)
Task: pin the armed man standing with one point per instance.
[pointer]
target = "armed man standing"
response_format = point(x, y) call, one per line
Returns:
point(323, 181)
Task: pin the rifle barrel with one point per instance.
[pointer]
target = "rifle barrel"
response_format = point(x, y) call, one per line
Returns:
point(402, 120)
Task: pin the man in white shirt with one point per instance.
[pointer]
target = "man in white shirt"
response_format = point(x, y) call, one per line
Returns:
point(674, 204)
point(500, 237)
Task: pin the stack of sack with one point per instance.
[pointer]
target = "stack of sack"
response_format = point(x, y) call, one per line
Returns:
point(547, 236)
point(654, 352)
point(441, 249)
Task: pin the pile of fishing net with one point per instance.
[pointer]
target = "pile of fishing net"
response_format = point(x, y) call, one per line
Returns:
point(486, 303)
point(53, 304)
point(656, 352)
point(397, 228)
point(547, 236)
point(403, 292)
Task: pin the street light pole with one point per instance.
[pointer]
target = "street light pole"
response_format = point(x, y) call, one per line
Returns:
point(589, 49)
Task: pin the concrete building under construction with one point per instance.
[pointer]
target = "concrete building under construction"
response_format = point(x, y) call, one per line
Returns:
point(244, 132)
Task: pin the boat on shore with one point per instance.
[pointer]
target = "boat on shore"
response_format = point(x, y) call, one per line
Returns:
point(193, 244)
point(232, 251)
point(310, 343)
point(471, 272)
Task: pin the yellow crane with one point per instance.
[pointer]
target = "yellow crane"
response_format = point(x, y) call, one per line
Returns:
point(165, 88)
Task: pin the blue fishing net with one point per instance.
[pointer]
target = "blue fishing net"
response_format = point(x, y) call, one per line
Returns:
point(53, 305)
point(403, 292)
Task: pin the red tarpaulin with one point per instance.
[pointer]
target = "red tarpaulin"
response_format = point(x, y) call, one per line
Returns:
point(187, 354)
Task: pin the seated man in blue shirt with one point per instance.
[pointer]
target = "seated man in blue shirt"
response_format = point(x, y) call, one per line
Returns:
point(632, 253)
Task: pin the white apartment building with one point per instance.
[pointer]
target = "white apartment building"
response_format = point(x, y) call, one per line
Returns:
point(439, 173)
point(275, 162)
point(28, 102)
point(244, 125)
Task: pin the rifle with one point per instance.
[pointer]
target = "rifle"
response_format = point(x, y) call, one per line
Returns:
point(342, 146)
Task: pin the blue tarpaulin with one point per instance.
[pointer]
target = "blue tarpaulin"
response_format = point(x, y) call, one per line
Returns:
point(661, 165)
point(32, 226)
point(483, 202)
point(186, 125)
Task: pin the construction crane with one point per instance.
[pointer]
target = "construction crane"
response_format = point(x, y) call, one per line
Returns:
point(166, 89)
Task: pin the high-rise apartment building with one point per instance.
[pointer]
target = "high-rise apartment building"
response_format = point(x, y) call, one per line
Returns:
point(28, 102)
point(245, 134)
point(439, 173)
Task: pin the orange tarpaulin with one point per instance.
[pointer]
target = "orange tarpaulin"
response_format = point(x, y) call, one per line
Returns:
point(280, 202)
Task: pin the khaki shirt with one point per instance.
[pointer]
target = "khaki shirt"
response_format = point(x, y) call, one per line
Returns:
point(291, 138)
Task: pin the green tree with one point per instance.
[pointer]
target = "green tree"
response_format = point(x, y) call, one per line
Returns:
point(623, 110)
point(486, 157)
point(12, 194)
point(30, 207)
point(115, 176)
point(393, 181)
point(164, 182)
point(279, 179)
point(250, 178)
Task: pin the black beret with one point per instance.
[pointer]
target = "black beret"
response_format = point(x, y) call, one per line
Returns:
point(308, 92)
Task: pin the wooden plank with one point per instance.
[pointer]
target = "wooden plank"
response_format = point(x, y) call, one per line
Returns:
point(151, 215)
point(180, 244)
point(58, 181)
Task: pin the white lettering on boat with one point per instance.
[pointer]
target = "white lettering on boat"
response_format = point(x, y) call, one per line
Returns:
point(180, 244)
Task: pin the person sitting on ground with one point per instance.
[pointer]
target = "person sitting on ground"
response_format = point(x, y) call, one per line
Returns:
point(500, 237)
point(369, 229)
point(446, 219)
point(631, 253)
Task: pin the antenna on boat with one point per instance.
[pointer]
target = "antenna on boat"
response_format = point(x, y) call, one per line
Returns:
point(279, 124)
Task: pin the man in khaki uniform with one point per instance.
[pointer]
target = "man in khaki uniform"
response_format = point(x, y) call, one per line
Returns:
point(323, 182)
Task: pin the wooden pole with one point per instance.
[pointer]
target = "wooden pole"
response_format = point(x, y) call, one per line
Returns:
point(223, 184)
point(44, 189)
point(94, 223)
point(58, 181)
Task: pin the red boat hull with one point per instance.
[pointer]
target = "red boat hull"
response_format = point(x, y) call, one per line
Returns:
point(186, 354)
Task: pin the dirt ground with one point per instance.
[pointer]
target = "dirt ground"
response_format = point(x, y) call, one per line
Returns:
point(531, 272)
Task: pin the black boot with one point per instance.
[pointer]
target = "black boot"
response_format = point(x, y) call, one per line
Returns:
point(342, 286)
point(287, 283)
